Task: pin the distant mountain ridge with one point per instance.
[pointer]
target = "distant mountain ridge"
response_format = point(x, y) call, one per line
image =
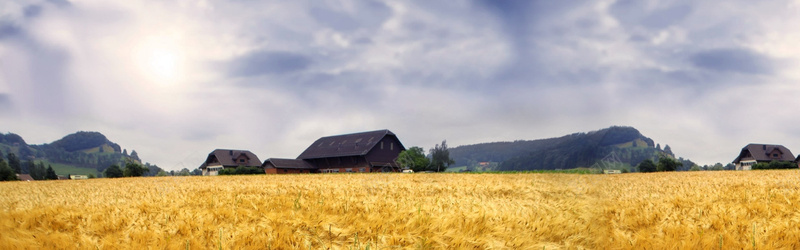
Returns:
point(85, 141)
point(624, 146)
point(81, 150)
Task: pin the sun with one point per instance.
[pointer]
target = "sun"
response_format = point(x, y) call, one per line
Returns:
point(160, 60)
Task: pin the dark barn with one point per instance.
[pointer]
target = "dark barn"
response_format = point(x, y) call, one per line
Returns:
point(373, 151)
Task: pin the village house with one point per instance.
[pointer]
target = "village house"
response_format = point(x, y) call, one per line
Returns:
point(373, 151)
point(24, 177)
point(220, 159)
point(756, 153)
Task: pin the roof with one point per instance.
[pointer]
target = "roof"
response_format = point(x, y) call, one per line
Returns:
point(760, 152)
point(227, 157)
point(24, 177)
point(356, 144)
point(288, 163)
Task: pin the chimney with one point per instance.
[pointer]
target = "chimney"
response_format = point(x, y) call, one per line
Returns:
point(231, 152)
point(764, 147)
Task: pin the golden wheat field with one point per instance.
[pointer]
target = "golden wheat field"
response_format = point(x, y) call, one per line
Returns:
point(680, 210)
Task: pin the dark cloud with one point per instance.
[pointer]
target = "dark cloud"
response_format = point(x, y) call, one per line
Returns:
point(8, 30)
point(733, 60)
point(369, 14)
point(269, 62)
point(334, 19)
point(663, 18)
point(32, 11)
point(634, 13)
point(60, 3)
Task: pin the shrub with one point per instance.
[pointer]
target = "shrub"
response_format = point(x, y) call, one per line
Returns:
point(242, 170)
point(775, 165)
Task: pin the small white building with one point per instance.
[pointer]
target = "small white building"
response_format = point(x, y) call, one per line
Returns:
point(78, 176)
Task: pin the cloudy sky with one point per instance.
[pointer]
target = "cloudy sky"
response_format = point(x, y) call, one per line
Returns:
point(176, 79)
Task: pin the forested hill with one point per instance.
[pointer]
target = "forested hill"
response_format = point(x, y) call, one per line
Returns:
point(90, 150)
point(625, 146)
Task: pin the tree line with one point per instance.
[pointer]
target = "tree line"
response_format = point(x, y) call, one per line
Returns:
point(37, 171)
point(415, 159)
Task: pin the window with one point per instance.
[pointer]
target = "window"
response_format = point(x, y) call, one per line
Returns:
point(362, 170)
point(391, 146)
point(381, 145)
point(349, 170)
point(775, 155)
point(241, 160)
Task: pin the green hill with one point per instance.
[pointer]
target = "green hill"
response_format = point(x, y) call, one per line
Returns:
point(77, 153)
point(614, 147)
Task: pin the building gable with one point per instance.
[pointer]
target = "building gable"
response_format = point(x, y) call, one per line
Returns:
point(231, 158)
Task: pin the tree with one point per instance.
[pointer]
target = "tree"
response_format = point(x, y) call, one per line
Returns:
point(37, 171)
point(27, 167)
point(414, 159)
point(668, 164)
point(695, 168)
point(184, 172)
point(154, 169)
point(730, 166)
point(440, 157)
point(50, 174)
point(197, 171)
point(6, 173)
point(161, 173)
point(113, 172)
point(14, 163)
point(647, 166)
point(133, 169)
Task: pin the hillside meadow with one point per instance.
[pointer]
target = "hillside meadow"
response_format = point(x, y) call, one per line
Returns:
point(678, 210)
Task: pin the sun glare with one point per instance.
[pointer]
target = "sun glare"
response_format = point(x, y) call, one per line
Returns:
point(160, 61)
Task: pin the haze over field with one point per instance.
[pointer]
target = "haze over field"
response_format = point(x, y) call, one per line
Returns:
point(177, 79)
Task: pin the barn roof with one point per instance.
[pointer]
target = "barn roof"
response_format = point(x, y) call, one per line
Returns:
point(288, 163)
point(760, 152)
point(227, 157)
point(24, 177)
point(356, 144)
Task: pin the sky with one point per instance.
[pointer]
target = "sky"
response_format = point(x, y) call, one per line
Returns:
point(175, 80)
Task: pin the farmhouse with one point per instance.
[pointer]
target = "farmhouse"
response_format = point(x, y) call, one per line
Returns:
point(220, 159)
point(24, 177)
point(755, 153)
point(373, 151)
